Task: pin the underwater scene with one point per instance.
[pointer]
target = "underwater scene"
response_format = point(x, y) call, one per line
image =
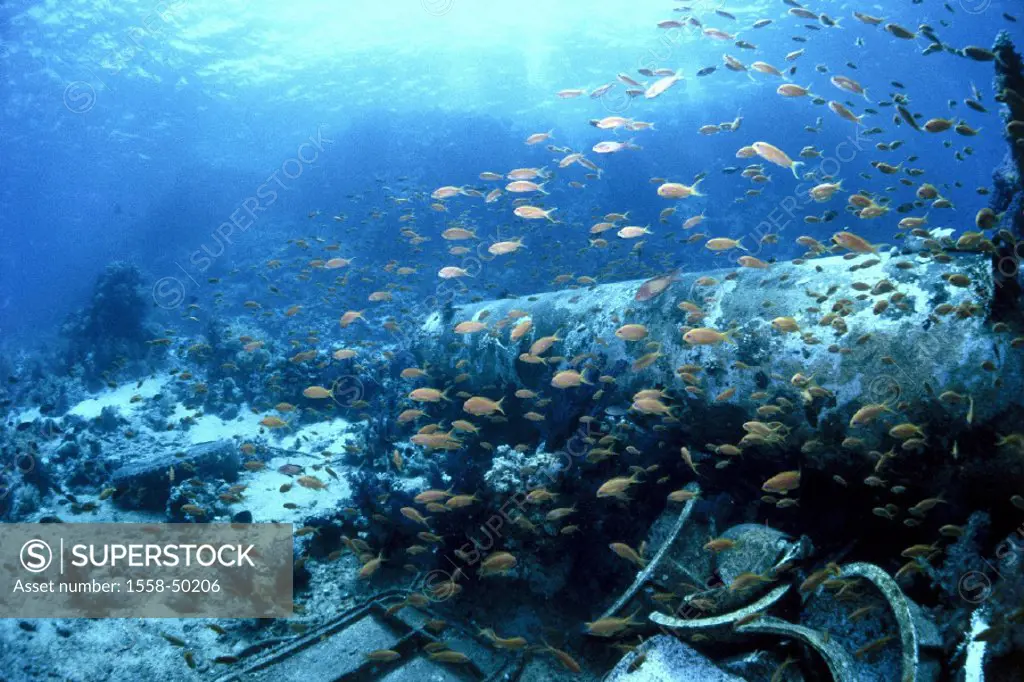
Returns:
point(478, 341)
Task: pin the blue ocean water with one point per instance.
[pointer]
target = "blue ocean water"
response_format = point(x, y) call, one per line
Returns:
point(217, 215)
point(134, 131)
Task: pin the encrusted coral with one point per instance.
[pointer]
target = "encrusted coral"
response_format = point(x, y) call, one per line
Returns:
point(1008, 197)
point(1009, 83)
point(111, 328)
point(513, 471)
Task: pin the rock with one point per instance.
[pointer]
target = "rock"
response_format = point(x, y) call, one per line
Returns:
point(758, 548)
point(547, 578)
point(145, 484)
point(110, 420)
point(66, 451)
point(111, 328)
point(25, 501)
point(666, 659)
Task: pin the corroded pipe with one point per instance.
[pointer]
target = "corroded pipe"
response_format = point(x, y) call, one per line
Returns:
point(907, 352)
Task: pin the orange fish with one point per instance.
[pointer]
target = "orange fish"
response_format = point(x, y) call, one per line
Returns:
point(656, 286)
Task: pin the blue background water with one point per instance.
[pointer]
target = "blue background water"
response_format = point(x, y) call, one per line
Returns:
point(132, 130)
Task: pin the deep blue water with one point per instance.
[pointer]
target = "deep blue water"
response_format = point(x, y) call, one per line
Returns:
point(135, 130)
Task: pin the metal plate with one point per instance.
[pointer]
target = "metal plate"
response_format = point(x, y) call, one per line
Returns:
point(336, 651)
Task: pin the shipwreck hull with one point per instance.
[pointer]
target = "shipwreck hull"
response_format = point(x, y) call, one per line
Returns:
point(905, 355)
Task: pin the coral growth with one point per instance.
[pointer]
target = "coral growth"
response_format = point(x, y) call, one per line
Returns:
point(1009, 84)
point(110, 330)
point(1008, 197)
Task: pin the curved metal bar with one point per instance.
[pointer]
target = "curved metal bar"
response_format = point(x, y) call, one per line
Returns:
point(836, 658)
point(901, 610)
point(724, 619)
point(645, 573)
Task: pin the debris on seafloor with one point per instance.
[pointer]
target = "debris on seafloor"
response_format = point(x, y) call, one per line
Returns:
point(754, 469)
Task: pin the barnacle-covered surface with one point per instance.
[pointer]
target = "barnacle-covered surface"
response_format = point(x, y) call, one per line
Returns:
point(906, 332)
point(1008, 178)
point(731, 619)
point(1009, 82)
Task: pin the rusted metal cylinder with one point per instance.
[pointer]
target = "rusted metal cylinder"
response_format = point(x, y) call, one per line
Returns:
point(899, 329)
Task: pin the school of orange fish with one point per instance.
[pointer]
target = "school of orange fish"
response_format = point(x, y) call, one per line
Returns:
point(518, 195)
